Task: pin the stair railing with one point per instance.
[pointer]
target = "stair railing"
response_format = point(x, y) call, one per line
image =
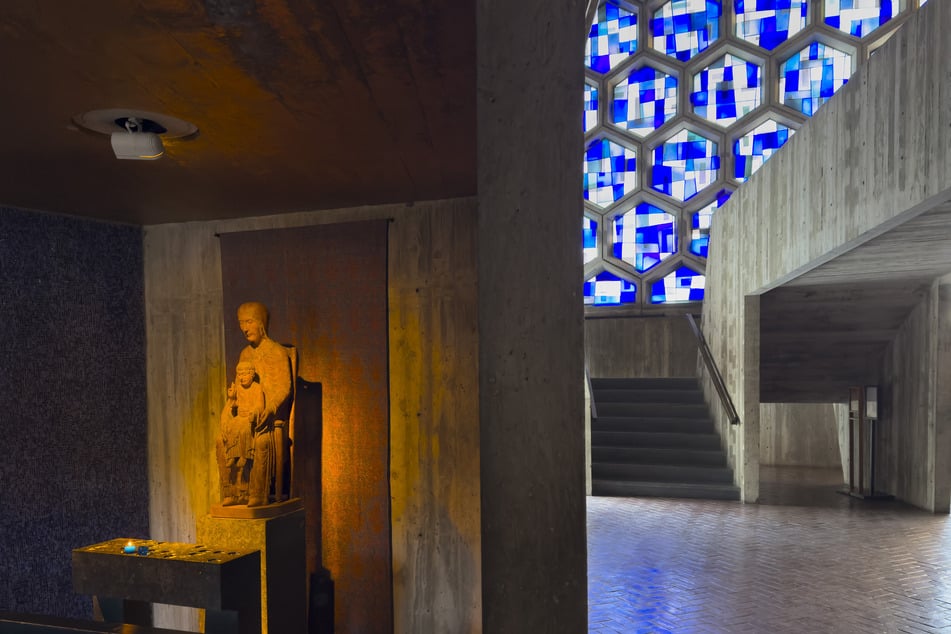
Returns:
point(587, 378)
point(714, 371)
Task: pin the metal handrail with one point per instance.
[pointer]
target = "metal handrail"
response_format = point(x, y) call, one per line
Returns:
point(714, 372)
point(594, 407)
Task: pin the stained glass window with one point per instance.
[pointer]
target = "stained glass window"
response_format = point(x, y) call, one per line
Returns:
point(610, 172)
point(859, 17)
point(607, 289)
point(590, 107)
point(707, 109)
point(810, 77)
point(684, 164)
point(700, 224)
point(683, 285)
point(752, 149)
point(589, 239)
point(644, 100)
point(727, 89)
point(684, 28)
point(644, 236)
point(612, 38)
point(769, 23)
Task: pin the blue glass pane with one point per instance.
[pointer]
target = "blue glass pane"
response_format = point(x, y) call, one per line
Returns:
point(726, 90)
point(700, 225)
point(752, 149)
point(683, 285)
point(607, 289)
point(612, 38)
point(810, 77)
point(859, 17)
point(684, 28)
point(589, 239)
point(645, 236)
point(590, 107)
point(685, 164)
point(644, 100)
point(610, 172)
point(769, 23)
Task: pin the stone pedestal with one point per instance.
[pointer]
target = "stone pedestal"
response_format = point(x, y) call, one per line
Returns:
point(283, 566)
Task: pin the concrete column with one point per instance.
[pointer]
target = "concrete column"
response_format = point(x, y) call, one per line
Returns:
point(531, 396)
point(941, 445)
point(749, 448)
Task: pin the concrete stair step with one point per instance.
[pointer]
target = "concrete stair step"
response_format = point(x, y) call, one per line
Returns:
point(660, 410)
point(660, 473)
point(655, 439)
point(615, 395)
point(677, 456)
point(664, 383)
point(665, 489)
point(653, 424)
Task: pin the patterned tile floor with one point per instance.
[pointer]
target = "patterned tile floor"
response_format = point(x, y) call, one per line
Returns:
point(804, 560)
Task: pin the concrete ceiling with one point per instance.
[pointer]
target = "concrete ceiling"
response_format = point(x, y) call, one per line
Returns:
point(829, 328)
point(301, 104)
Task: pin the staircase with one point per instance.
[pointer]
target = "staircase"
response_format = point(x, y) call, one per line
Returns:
point(654, 437)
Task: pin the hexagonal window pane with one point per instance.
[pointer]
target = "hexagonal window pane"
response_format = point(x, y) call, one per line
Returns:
point(645, 236)
point(612, 38)
point(589, 239)
point(685, 28)
point(753, 148)
point(607, 289)
point(610, 172)
point(644, 100)
point(727, 89)
point(683, 285)
point(684, 165)
point(810, 77)
point(859, 17)
point(590, 107)
point(769, 23)
point(700, 224)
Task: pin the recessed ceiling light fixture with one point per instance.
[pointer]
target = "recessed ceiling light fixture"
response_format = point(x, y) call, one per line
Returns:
point(136, 134)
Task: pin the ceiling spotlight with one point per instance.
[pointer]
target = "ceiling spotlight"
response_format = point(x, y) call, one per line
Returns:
point(136, 134)
point(136, 142)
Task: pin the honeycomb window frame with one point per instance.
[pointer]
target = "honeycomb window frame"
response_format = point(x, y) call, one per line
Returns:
point(771, 106)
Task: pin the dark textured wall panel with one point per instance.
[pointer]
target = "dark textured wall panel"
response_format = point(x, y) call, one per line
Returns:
point(72, 407)
point(325, 287)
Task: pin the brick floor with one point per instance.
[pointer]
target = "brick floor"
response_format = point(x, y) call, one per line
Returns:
point(807, 560)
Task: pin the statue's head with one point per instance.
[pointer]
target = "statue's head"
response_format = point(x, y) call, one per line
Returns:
point(245, 372)
point(252, 318)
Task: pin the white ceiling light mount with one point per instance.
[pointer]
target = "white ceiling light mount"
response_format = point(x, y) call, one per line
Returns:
point(136, 134)
point(141, 140)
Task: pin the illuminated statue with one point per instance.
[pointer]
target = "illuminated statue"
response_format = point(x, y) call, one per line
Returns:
point(276, 368)
point(240, 419)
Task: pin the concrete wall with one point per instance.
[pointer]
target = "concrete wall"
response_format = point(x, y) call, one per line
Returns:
point(905, 462)
point(433, 394)
point(531, 348)
point(640, 347)
point(799, 434)
point(915, 429)
point(848, 174)
point(74, 469)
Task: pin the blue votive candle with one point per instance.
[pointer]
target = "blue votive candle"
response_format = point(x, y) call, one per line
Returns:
point(129, 548)
point(143, 550)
